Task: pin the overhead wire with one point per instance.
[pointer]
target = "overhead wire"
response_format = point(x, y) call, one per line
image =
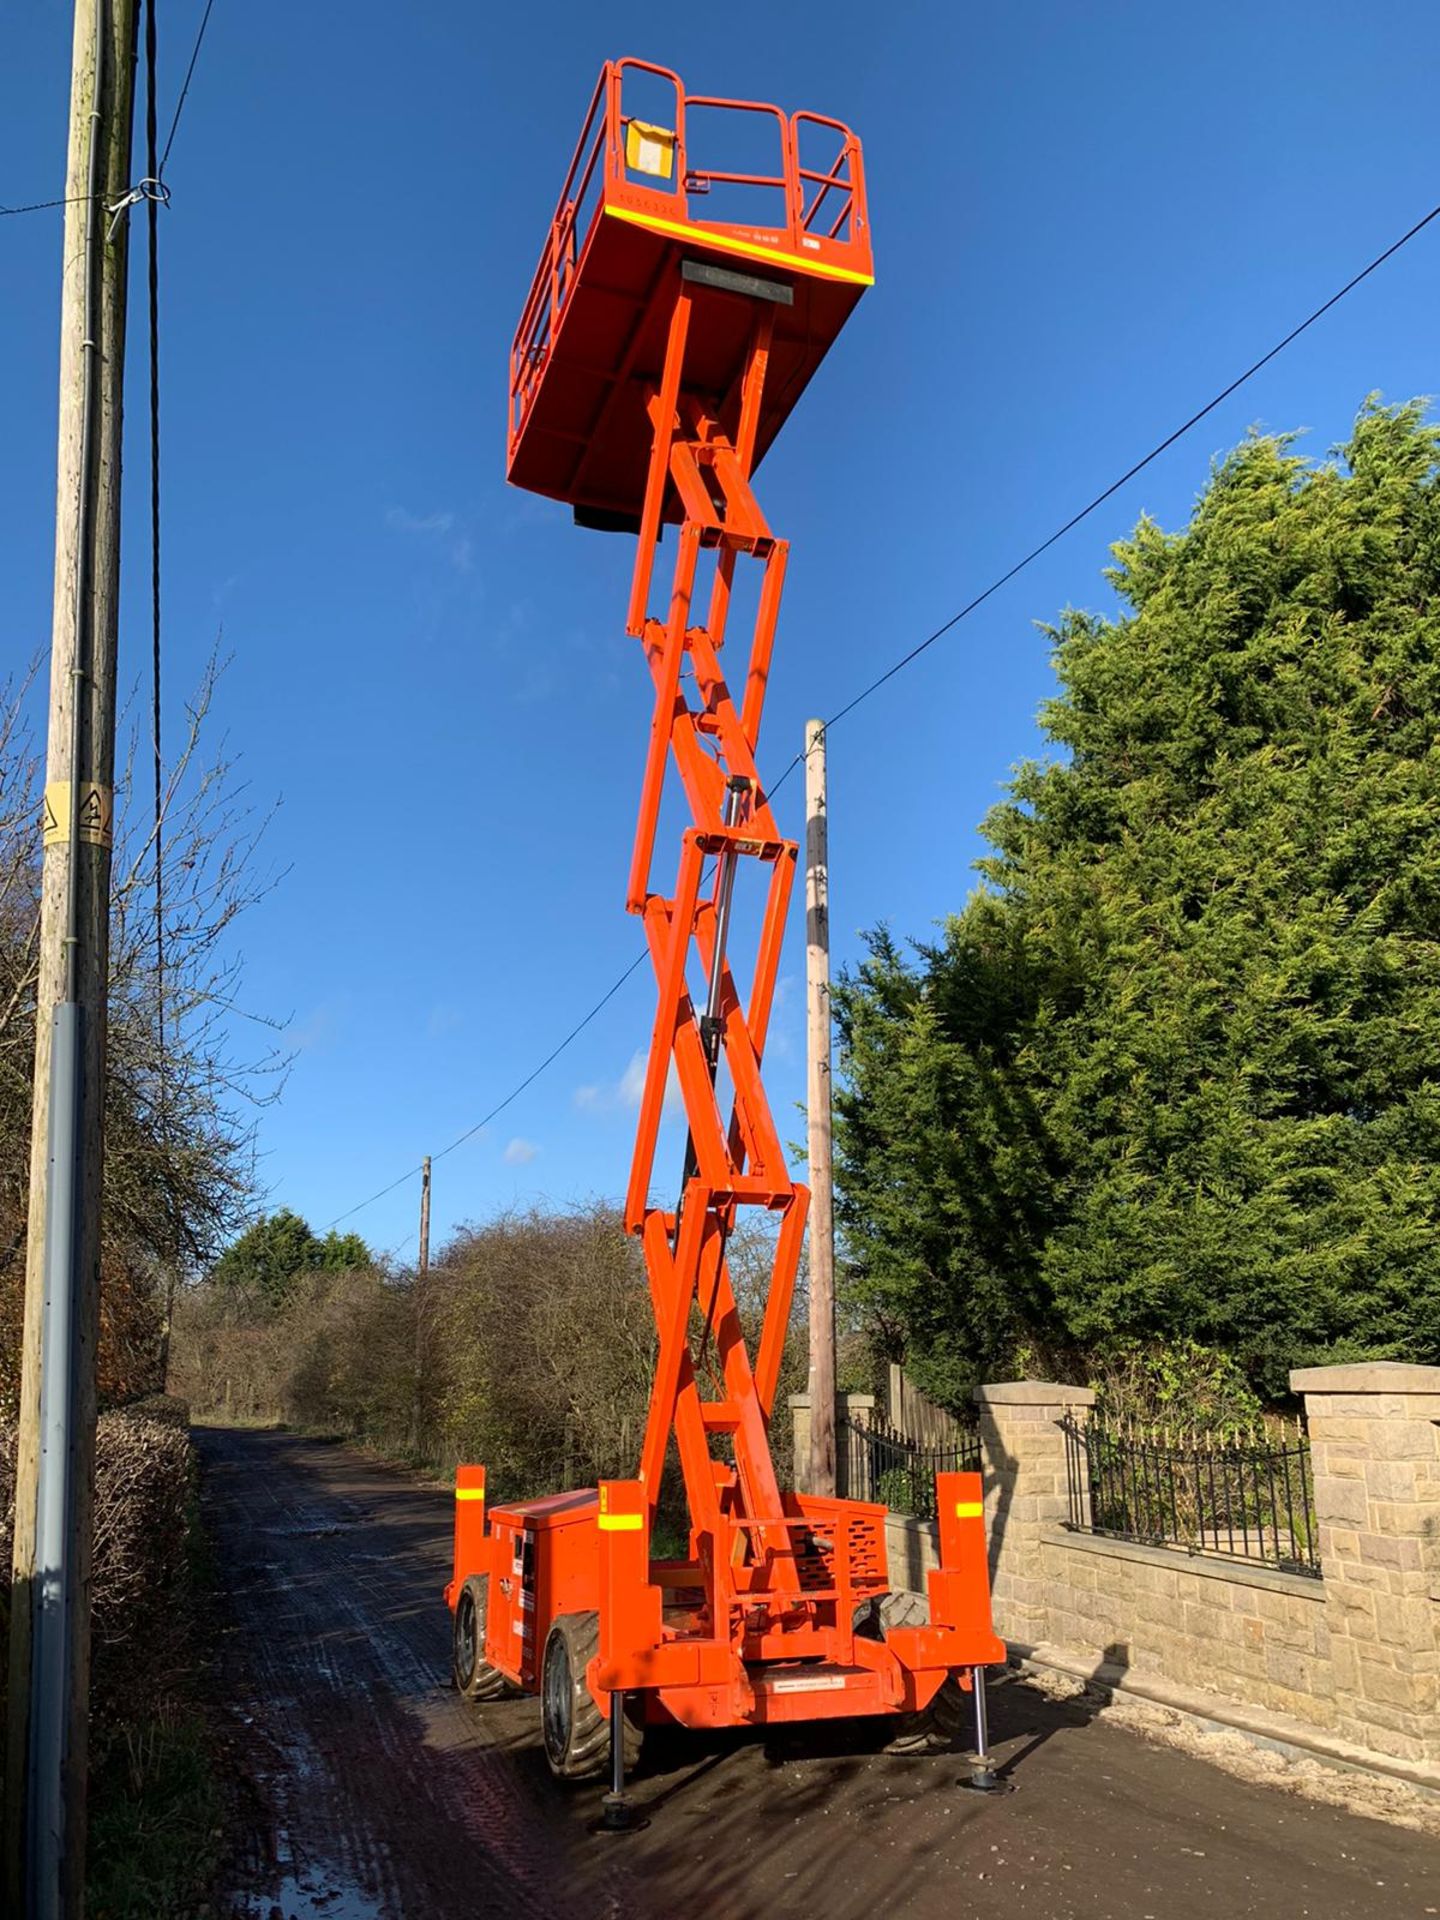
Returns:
point(156, 173)
point(1139, 467)
point(159, 172)
point(971, 606)
point(153, 203)
point(513, 1095)
point(43, 206)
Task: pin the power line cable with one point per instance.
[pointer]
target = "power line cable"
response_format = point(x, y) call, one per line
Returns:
point(184, 93)
point(1114, 487)
point(158, 765)
point(513, 1095)
point(155, 175)
point(42, 206)
point(971, 606)
point(360, 1205)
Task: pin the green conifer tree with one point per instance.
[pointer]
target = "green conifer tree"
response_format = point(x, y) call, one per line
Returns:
point(1174, 1071)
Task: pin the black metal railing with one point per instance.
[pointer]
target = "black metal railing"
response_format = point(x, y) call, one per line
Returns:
point(878, 1462)
point(1242, 1496)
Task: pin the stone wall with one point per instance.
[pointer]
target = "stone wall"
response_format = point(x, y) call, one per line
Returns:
point(1353, 1658)
point(1245, 1632)
point(1375, 1439)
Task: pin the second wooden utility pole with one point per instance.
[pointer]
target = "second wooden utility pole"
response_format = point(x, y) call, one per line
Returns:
point(46, 1761)
point(422, 1305)
point(817, 1102)
point(424, 1216)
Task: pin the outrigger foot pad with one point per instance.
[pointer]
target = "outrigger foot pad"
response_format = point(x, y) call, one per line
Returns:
point(984, 1780)
point(983, 1777)
point(618, 1814)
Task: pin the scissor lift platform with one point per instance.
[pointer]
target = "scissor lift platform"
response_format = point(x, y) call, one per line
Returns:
point(660, 350)
point(592, 335)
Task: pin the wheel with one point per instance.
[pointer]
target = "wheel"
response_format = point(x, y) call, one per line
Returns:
point(577, 1734)
point(472, 1673)
point(939, 1727)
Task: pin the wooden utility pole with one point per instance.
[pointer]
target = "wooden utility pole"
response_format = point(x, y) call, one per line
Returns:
point(421, 1301)
point(50, 1603)
point(424, 1217)
point(817, 1102)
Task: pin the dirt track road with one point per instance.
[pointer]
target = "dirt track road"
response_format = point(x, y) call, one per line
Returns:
point(372, 1793)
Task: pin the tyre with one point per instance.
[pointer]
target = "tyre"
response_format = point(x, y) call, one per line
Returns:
point(577, 1734)
point(472, 1673)
point(941, 1726)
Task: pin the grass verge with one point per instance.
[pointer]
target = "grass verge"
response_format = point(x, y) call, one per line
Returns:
point(157, 1822)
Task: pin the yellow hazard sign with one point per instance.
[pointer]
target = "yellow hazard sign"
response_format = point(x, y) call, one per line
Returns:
point(97, 814)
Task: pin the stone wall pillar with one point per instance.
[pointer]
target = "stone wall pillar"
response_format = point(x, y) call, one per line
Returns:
point(1022, 1444)
point(1375, 1445)
point(800, 1440)
point(858, 1408)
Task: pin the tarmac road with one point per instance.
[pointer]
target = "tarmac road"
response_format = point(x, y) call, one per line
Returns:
point(368, 1791)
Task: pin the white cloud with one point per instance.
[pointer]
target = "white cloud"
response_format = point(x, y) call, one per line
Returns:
point(627, 1092)
point(402, 522)
point(444, 527)
point(632, 1081)
point(519, 1153)
point(318, 1030)
point(785, 1019)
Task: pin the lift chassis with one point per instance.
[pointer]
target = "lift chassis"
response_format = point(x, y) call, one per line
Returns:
point(703, 334)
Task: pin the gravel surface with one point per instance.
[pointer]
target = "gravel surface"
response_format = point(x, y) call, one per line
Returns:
point(366, 1790)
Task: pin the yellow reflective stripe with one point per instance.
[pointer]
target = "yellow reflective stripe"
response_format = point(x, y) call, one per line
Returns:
point(469, 1493)
point(969, 1509)
point(619, 1522)
point(703, 237)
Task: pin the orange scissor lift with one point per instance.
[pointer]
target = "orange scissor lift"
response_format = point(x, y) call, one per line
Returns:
point(658, 354)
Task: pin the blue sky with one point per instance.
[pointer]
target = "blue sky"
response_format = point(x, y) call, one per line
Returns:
point(1086, 220)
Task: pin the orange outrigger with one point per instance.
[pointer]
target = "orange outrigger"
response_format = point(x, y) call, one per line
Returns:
point(659, 352)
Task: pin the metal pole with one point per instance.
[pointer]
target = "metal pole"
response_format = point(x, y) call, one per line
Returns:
point(734, 799)
point(617, 1814)
point(818, 1105)
point(617, 1744)
point(53, 1604)
point(711, 1026)
point(983, 1778)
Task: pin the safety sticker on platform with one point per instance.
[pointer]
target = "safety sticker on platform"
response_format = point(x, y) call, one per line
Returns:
point(807, 1683)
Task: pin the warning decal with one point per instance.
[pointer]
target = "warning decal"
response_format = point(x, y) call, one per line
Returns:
point(97, 814)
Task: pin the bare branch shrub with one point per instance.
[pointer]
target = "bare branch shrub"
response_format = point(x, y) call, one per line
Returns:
point(144, 1485)
point(530, 1346)
point(179, 1168)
